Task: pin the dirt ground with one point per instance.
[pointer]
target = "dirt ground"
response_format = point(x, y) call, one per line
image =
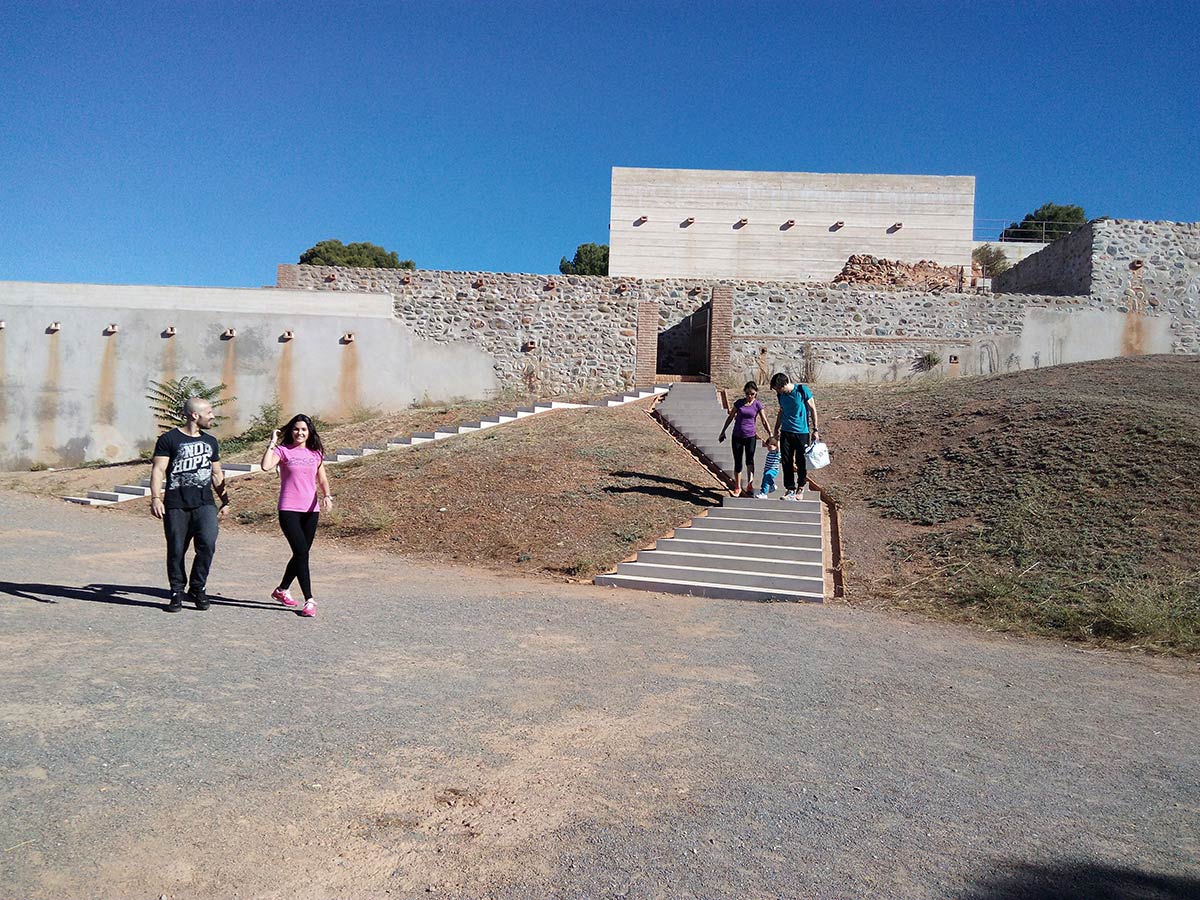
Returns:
point(444, 731)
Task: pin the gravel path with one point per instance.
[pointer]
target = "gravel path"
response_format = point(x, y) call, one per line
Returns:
point(455, 733)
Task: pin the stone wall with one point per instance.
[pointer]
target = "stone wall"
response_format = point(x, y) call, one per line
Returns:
point(842, 333)
point(1139, 267)
point(569, 334)
point(1063, 267)
point(1153, 267)
point(564, 333)
point(546, 335)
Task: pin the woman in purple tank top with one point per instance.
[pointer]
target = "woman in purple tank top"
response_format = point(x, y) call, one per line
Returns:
point(747, 412)
point(301, 463)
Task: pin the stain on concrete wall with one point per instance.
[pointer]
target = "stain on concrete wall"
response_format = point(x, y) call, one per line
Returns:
point(106, 383)
point(229, 378)
point(48, 399)
point(283, 378)
point(349, 396)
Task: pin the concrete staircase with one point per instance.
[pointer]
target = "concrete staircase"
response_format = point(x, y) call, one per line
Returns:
point(124, 492)
point(746, 549)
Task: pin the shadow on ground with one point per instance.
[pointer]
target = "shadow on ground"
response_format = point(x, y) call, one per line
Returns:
point(1082, 881)
point(119, 594)
point(662, 487)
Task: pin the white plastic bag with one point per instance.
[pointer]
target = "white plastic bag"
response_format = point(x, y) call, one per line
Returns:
point(816, 455)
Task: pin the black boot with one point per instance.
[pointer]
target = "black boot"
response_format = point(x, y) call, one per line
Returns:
point(201, 599)
point(176, 603)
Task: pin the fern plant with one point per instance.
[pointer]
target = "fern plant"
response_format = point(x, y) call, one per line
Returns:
point(168, 397)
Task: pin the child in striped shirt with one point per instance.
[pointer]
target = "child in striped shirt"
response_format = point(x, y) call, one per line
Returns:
point(770, 468)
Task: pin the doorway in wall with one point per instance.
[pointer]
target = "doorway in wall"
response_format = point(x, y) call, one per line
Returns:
point(684, 349)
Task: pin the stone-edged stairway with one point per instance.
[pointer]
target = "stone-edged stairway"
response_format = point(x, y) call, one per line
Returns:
point(745, 549)
point(124, 492)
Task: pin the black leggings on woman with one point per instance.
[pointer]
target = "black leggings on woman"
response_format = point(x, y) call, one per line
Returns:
point(743, 446)
point(299, 528)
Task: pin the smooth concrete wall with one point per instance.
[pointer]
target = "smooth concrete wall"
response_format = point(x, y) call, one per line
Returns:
point(79, 394)
point(936, 212)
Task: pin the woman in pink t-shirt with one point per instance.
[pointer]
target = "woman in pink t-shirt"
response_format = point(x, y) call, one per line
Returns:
point(301, 464)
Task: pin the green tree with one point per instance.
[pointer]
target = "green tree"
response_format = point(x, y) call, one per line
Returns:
point(357, 255)
point(590, 259)
point(1048, 222)
point(990, 258)
point(167, 398)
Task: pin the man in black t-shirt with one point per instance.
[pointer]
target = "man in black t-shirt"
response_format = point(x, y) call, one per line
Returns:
point(188, 461)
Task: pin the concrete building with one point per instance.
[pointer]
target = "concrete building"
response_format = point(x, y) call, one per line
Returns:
point(796, 226)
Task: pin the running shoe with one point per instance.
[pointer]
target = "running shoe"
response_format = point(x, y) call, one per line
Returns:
point(201, 600)
point(310, 608)
point(760, 496)
point(283, 597)
point(791, 495)
point(176, 603)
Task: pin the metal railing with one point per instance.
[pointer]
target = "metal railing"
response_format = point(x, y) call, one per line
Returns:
point(1007, 230)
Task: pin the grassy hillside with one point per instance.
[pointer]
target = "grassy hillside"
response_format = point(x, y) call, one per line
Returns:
point(1063, 501)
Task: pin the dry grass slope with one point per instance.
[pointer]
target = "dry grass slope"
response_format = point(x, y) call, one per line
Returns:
point(564, 494)
point(1061, 501)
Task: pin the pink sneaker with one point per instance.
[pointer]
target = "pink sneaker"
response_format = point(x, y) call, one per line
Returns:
point(283, 597)
point(310, 608)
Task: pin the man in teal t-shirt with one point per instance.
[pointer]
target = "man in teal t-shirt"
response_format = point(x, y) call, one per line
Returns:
point(796, 428)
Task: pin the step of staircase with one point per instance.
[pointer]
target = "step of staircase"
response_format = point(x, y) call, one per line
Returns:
point(735, 577)
point(808, 507)
point(775, 501)
point(696, 544)
point(708, 589)
point(757, 538)
point(762, 563)
point(802, 523)
point(235, 468)
point(110, 496)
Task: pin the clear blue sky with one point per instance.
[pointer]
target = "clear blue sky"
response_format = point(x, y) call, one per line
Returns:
point(204, 142)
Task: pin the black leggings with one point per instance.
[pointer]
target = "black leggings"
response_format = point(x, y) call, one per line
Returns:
point(746, 446)
point(299, 528)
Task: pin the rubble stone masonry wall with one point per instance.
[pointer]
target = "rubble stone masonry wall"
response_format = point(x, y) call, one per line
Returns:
point(555, 335)
point(1063, 267)
point(1139, 267)
point(1153, 267)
